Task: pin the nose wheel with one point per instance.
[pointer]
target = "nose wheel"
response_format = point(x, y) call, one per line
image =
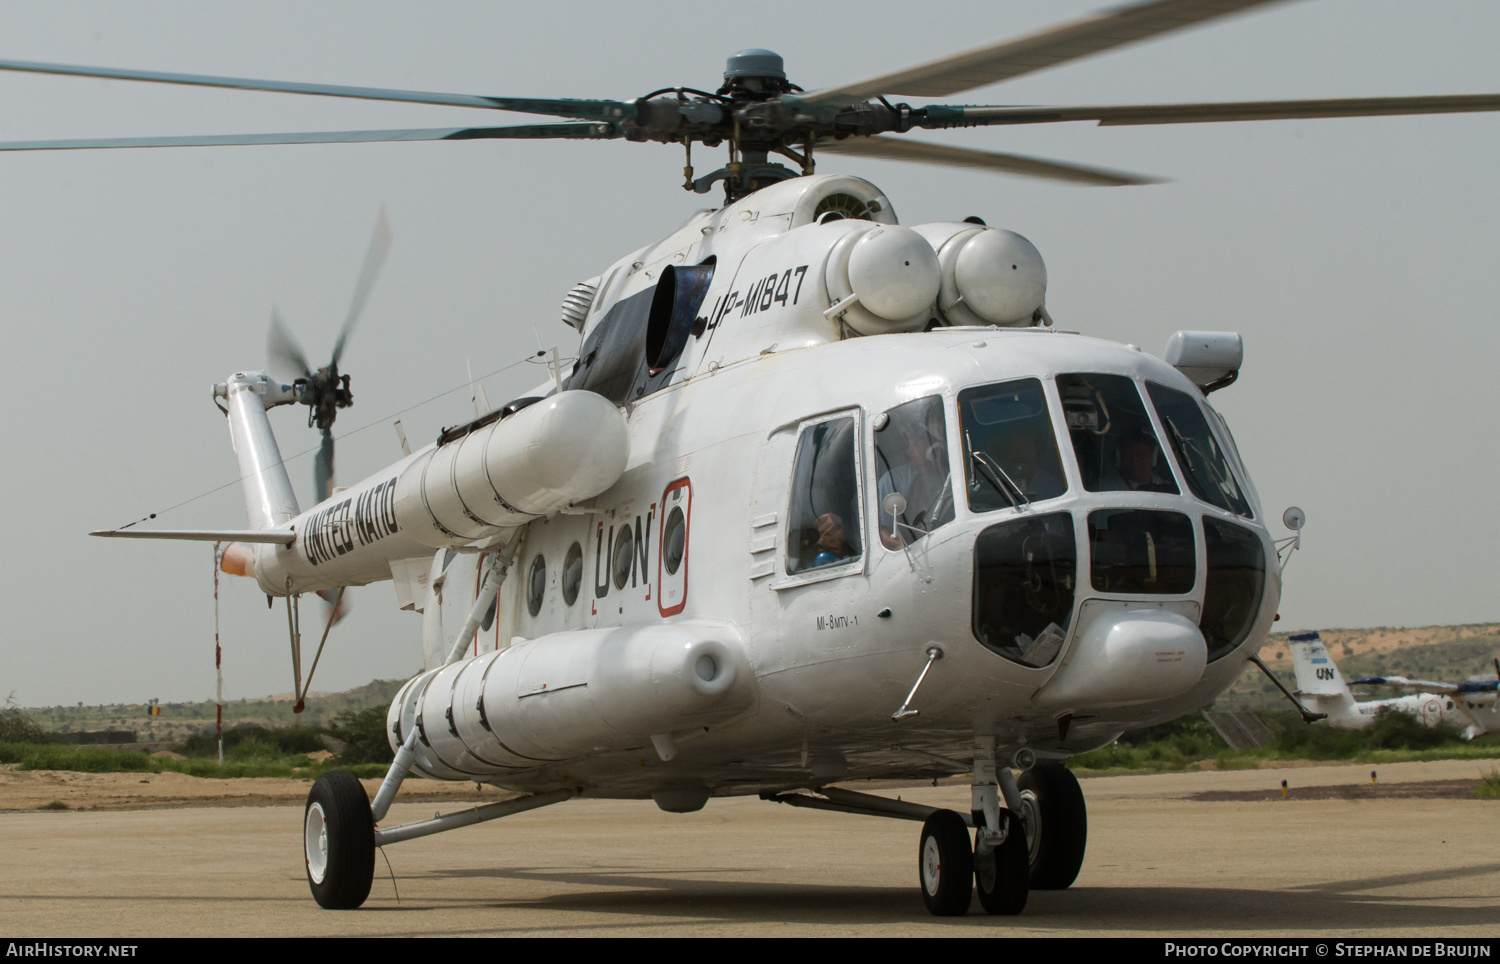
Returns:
point(1001, 876)
point(951, 868)
point(945, 865)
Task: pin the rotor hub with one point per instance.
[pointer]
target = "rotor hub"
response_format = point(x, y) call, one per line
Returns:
point(754, 63)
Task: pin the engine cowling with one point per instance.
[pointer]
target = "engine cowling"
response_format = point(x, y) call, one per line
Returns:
point(891, 272)
point(563, 449)
point(990, 276)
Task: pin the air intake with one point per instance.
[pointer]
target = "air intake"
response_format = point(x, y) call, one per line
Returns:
point(576, 304)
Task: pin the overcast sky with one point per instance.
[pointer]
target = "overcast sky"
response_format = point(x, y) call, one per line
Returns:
point(1357, 257)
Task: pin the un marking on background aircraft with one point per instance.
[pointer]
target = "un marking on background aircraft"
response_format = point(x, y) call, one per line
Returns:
point(1471, 706)
point(823, 498)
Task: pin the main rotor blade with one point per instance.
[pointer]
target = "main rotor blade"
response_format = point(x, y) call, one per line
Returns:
point(380, 246)
point(943, 115)
point(1022, 55)
point(526, 132)
point(595, 109)
point(283, 354)
point(894, 149)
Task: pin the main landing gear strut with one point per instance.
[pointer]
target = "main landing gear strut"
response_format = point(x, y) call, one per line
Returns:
point(339, 835)
point(1029, 834)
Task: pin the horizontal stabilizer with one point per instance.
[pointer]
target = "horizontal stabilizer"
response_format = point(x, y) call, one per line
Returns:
point(280, 537)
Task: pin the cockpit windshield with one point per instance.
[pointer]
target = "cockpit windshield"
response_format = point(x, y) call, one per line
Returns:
point(1010, 452)
point(1203, 463)
point(1112, 436)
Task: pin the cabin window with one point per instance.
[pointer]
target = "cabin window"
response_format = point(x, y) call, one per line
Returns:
point(674, 540)
point(536, 584)
point(1198, 453)
point(823, 530)
point(572, 575)
point(1024, 577)
point(1142, 551)
point(1116, 446)
point(624, 556)
point(672, 558)
point(1236, 581)
point(1010, 451)
point(911, 461)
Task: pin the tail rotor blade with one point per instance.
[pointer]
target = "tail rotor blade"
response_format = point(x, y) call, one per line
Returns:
point(336, 605)
point(283, 354)
point(323, 467)
point(380, 246)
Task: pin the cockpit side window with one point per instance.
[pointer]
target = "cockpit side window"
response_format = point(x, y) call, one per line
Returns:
point(1010, 453)
point(1112, 436)
point(1235, 585)
point(1198, 454)
point(824, 517)
point(911, 460)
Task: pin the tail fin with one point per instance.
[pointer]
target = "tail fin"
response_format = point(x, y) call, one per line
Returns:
point(1319, 681)
point(269, 500)
point(1317, 675)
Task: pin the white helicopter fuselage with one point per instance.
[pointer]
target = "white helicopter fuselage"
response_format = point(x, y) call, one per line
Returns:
point(696, 539)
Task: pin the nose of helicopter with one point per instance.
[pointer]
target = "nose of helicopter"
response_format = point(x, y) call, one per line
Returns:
point(1127, 656)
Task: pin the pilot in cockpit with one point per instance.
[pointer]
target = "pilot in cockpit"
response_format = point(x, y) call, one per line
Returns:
point(1138, 466)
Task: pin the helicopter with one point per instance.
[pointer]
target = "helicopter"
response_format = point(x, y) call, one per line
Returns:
point(861, 551)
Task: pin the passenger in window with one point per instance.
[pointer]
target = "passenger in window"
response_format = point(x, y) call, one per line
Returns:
point(832, 546)
point(1139, 466)
point(823, 522)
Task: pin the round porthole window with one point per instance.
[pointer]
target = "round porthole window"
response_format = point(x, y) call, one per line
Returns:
point(572, 577)
point(536, 584)
point(624, 548)
point(674, 541)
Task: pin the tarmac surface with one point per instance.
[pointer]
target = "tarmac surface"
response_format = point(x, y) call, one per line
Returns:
point(1217, 853)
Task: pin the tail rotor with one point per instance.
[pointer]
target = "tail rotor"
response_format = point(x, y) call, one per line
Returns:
point(324, 392)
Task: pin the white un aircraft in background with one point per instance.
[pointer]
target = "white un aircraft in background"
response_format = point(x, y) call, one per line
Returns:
point(823, 498)
point(1470, 706)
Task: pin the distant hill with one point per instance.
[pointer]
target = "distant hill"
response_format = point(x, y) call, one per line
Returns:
point(1444, 653)
point(179, 720)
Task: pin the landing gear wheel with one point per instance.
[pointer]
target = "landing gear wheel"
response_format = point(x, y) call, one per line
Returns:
point(945, 865)
point(338, 840)
point(1001, 876)
point(1057, 825)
